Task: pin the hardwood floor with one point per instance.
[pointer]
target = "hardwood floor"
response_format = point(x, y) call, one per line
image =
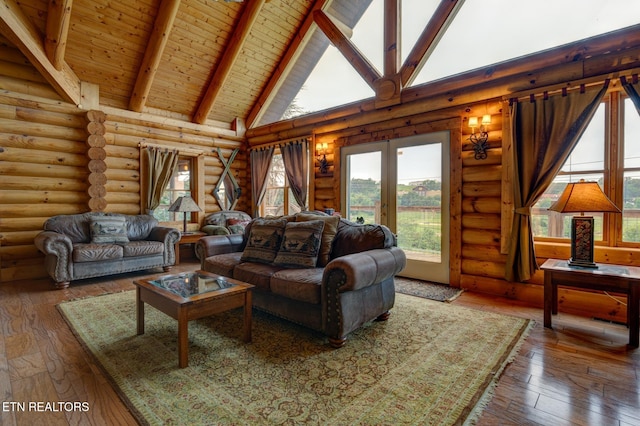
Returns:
point(579, 373)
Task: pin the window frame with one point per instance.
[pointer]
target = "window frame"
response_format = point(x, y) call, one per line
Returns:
point(286, 188)
point(197, 186)
point(613, 174)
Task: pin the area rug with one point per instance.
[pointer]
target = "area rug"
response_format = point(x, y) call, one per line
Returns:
point(426, 289)
point(431, 363)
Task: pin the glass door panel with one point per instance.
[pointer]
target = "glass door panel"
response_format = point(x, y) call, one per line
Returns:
point(403, 183)
point(364, 187)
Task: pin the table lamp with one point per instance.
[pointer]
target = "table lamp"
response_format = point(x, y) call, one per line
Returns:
point(580, 197)
point(185, 205)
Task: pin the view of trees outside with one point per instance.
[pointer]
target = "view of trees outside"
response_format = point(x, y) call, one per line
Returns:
point(274, 197)
point(548, 223)
point(179, 186)
point(418, 214)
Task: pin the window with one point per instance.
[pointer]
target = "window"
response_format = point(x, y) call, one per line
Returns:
point(593, 160)
point(179, 186)
point(278, 199)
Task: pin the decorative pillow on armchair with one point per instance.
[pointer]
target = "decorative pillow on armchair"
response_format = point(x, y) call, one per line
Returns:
point(300, 244)
point(237, 226)
point(108, 229)
point(264, 240)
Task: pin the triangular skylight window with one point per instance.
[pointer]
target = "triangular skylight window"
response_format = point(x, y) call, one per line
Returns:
point(491, 31)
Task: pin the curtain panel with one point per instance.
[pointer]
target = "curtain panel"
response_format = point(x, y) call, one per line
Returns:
point(161, 163)
point(632, 88)
point(260, 163)
point(295, 156)
point(544, 133)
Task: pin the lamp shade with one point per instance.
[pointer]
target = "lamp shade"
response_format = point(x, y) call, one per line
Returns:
point(184, 204)
point(580, 197)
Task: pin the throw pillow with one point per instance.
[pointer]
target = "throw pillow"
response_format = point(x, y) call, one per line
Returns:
point(300, 244)
point(328, 233)
point(108, 229)
point(237, 226)
point(264, 240)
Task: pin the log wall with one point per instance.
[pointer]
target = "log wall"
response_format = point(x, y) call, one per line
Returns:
point(58, 159)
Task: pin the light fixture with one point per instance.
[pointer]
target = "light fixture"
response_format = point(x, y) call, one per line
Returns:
point(479, 141)
point(185, 205)
point(580, 197)
point(321, 151)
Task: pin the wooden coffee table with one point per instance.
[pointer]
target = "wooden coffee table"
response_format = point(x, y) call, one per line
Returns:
point(189, 296)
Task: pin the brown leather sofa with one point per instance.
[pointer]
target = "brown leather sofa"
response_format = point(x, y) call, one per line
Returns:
point(355, 286)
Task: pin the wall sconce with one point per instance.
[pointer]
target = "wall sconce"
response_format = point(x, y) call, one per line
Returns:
point(479, 140)
point(321, 152)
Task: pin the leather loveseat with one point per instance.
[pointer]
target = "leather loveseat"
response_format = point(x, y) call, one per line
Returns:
point(351, 283)
point(95, 244)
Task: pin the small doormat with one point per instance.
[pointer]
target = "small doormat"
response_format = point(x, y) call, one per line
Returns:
point(426, 289)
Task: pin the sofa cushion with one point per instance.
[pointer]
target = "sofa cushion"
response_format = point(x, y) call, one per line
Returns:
point(264, 240)
point(300, 244)
point(95, 252)
point(355, 238)
point(304, 285)
point(222, 264)
point(108, 229)
point(142, 248)
point(258, 274)
point(139, 226)
point(328, 233)
point(74, 226)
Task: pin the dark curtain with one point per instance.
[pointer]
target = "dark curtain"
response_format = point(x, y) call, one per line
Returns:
point(632, 89)
point(161, 163)
point(295, 156)
point(544, 133)
point(260, 162)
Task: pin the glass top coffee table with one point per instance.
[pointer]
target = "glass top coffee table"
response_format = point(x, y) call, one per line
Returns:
point(192, 295)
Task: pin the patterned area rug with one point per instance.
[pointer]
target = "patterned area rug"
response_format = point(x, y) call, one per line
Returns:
point(430, 363)
point(428, 290)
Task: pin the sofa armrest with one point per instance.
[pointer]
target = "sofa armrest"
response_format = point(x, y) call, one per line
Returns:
point(359, 270)
point(58, 250)
point(218, 244)
point(168, 236)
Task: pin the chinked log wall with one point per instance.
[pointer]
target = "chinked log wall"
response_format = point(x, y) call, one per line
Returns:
point(49, 166)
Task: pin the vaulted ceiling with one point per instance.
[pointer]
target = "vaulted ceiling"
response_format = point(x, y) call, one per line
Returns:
point(198, 60)
point(203, 61)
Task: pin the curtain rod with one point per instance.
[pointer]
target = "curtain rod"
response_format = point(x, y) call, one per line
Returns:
point(544, 92)
point(188, 151)
point(267, 145)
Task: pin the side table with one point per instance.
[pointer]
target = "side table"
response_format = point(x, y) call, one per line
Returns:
point(187, 238)
point(607, 277)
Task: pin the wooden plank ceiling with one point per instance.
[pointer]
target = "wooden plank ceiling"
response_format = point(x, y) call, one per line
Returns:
point(204, 61)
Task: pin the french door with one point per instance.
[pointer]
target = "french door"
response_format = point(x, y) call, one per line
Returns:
point(404, 184)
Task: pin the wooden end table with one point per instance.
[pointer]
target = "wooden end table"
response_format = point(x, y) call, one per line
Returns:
point(187, 238)
point(192, 295)
point(607, 277)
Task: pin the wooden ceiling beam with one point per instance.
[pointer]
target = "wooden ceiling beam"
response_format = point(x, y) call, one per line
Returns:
point(440, 20)
point(153, 54)
point(57, 31)
point(284, 66)
point(361, 64)
point(17, 28)
point(391, 37)
point(231, 53)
